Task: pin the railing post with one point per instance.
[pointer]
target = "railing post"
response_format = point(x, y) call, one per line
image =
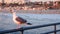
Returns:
point(55, 29)
point(22, 32)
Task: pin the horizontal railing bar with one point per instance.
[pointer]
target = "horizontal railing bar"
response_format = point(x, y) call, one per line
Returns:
point(28, 27)
point(10, 31)
point(51, 32)
point(39, 26)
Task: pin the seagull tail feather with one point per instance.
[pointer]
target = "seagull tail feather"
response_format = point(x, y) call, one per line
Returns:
point(29, 24)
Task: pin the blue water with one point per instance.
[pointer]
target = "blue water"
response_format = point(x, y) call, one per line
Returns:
point(6, 22)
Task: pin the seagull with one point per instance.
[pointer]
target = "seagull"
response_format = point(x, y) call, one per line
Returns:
point(18, 20)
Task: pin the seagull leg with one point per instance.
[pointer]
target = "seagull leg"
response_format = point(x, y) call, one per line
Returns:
point(18, 26)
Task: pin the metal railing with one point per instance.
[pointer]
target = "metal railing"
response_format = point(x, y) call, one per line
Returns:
point(22, 29)
point(51, 32)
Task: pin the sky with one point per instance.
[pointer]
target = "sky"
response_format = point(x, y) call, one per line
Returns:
point(9, 1)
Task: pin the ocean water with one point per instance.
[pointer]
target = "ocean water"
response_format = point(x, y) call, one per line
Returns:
point(7, 23)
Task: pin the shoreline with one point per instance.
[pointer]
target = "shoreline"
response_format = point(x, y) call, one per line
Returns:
point(36, 11)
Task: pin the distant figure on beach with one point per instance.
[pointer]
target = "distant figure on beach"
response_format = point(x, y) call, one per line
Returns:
point(18, 20)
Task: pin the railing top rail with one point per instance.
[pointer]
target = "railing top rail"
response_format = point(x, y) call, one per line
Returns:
point(51, 32)
point(28, 27)
point(39, 26)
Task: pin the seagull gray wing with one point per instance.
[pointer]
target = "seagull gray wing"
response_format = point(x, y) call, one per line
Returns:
point(19, 19)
